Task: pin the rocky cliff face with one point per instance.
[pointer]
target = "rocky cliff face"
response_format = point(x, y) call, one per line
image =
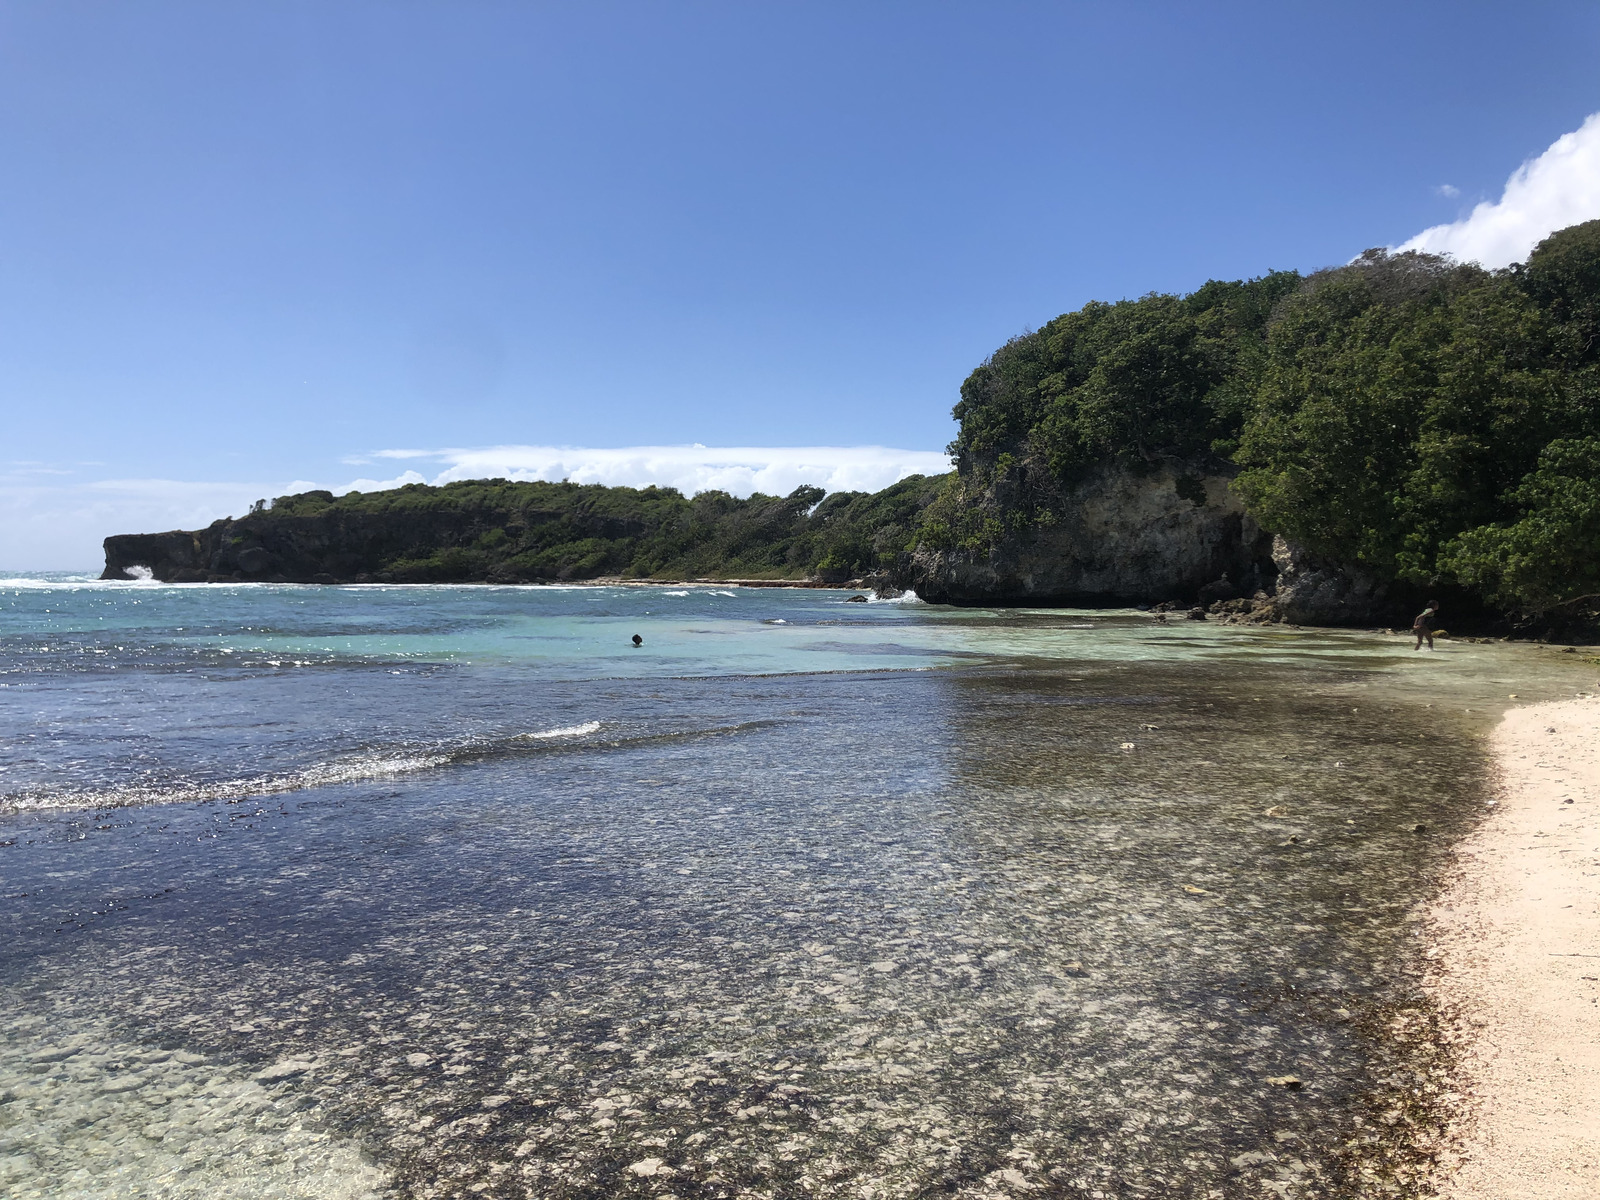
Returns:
point(1312, 591)
point(1164, 532)
point(329, 547)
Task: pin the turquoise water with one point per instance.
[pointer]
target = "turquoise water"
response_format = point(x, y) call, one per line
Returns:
point(446, 891)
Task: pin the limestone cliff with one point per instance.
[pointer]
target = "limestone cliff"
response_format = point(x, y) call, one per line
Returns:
point(1166, 530)
point(1005, 531)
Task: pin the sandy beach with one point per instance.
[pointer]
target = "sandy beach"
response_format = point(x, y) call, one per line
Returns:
point(1518, 966)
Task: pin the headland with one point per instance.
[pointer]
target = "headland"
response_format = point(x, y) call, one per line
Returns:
point(1241, 449)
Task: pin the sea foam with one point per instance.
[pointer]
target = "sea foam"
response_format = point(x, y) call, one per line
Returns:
point(566, 731)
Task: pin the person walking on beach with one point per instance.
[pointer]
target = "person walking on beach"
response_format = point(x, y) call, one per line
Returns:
point(1423, 625)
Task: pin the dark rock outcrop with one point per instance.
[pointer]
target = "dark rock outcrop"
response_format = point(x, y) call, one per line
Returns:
point(177, 556)
point(1313, 591)
point(1165, 531)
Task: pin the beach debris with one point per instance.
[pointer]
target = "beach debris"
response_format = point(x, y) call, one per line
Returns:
point(1128, 745)
point(1149, 727)
point(1194, 891)
point(647, 1167)
point(1419, 827)
point(1293, 1082)
point(1075, 966)
point(1569, 800)
point(1277, 810)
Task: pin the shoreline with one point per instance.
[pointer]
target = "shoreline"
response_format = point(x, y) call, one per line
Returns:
point(1515, 966)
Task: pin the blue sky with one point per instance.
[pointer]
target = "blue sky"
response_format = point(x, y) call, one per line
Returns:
point(247, 245)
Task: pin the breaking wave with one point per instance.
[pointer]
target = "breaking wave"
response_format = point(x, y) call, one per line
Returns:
point(353, 769)
point(566, 732)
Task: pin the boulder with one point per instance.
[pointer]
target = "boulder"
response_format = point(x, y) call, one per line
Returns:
point(1312, 591)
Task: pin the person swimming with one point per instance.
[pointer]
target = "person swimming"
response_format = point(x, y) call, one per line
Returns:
point(637, 640)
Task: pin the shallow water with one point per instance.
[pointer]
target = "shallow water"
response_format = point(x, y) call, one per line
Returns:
point(884, 900)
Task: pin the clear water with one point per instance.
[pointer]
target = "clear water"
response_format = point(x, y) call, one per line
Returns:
point(443, 891)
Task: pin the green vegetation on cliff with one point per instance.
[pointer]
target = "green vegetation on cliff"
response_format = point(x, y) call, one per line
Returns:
point(1162, 374)
point(1426, 421)
point(1436, 422)
point(500, 531)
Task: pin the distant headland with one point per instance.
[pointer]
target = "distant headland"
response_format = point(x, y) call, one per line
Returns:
point(1322, 449)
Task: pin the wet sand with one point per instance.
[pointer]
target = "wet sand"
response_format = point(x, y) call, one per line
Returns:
point(1518, 966)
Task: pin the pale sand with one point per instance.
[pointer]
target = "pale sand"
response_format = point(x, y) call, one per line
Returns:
point(1518, 966)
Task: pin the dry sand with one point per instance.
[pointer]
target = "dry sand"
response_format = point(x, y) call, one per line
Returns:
point(1518, 959)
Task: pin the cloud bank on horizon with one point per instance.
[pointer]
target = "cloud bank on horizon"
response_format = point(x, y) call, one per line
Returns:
point(741, 470)
point(1560, 187)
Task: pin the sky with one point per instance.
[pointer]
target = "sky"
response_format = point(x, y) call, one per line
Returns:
point(250, 249)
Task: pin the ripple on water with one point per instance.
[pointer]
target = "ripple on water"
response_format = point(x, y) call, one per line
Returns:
point(1047, 930)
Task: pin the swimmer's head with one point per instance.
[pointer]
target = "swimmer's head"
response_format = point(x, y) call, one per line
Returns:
point(637, 640)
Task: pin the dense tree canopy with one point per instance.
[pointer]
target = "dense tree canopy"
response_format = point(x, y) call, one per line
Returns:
point(1426, 420)
point(1419, 417)
point(1160, 374)
point(507, 531)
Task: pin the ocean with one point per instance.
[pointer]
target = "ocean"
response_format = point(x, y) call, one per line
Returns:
point(444, 891)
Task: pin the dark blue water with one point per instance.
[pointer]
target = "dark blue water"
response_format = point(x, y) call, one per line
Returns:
point(451, 892)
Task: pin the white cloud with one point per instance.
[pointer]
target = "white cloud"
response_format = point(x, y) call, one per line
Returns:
point(736, 469)
point(1561, 187)
point(1448, 190)
point(50, 524)
point(367, 485)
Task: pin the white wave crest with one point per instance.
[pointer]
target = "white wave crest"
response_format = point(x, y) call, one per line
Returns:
point(587, 727)
point(674, 593)
point(61, 583)
point(350, 770)
point(907, 598)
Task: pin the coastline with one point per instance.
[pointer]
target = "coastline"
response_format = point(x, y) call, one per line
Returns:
point(1516, 966)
